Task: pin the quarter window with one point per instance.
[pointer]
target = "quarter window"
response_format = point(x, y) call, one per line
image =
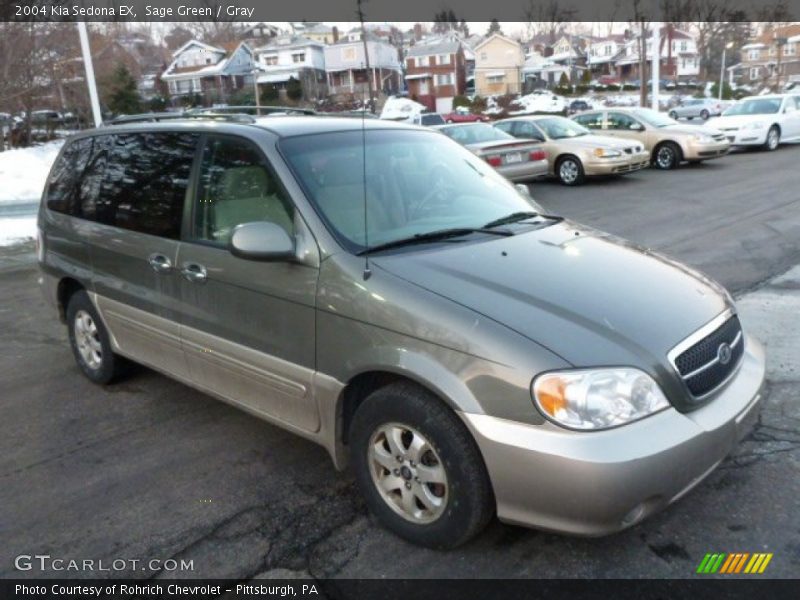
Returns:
point(591, 121)
point(63, 181)
point(236, 186)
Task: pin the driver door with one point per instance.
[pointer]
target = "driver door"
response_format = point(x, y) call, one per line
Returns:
point(247, 326)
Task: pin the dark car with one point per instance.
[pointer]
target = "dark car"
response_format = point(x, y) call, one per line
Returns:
point(578, 105)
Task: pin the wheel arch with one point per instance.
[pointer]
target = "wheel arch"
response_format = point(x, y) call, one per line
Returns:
point(671, 142)
point(67, 287)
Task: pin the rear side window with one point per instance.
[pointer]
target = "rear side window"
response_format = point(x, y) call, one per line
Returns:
point(593, 121)
point(144, 182)
point(64, 177)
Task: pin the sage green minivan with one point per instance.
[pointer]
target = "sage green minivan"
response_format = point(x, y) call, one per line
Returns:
point(380, 290)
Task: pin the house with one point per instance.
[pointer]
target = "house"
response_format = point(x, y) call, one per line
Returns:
point(212, 72)
point(498, 66)
point(345, 65)
point(602, 53)
point(257, 34)
point(772, 58)
point(293, 56)
point(436, 73)
point(678, 56)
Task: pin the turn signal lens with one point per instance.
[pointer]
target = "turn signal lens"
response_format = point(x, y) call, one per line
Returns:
point(538, 155)
point(593, 399)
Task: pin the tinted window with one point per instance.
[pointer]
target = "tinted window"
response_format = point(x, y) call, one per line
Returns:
point(145, 180)
point(435, 119)
point(237, 187)
point(592, 121)
point(89, 185)
point(63, 181)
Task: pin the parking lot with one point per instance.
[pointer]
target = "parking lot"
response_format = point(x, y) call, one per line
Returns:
point(149, 468)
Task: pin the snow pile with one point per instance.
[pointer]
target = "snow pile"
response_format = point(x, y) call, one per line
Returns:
point(401, 109)
point(22, 176)
point(540, 103)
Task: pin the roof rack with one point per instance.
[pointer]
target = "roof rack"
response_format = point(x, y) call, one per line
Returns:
point(251, 109)
point(171, 116)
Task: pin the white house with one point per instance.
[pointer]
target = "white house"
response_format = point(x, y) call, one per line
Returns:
point(346, 68)
point(213, 72)
point(295, 57)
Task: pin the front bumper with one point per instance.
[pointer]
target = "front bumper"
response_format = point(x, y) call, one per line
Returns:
point(524, 171)
point(697, 151)
point(747, 137)
point(617, 166)
point(596, 483)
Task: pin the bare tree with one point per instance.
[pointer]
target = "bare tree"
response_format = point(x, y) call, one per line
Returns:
point(640, 20)
point(547, 17)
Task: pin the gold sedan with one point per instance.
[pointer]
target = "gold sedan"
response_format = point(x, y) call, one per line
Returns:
point(573, 152)
point(668, 141)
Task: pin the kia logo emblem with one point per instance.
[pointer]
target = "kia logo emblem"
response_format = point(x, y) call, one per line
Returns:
point(724, 353)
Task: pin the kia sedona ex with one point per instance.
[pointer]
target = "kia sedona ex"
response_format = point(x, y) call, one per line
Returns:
point(382, 291)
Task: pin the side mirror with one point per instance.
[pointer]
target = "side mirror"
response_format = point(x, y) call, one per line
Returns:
point(261, 240)
point(636, 127)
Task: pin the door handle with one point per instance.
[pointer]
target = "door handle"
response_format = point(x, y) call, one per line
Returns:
point(194, 272)
point(160, 263)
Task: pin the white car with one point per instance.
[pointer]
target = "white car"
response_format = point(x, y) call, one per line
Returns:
point(761, 121)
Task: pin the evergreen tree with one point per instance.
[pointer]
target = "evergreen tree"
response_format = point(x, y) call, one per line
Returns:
point(494, 27)
point(124, 96)
point(294, 89)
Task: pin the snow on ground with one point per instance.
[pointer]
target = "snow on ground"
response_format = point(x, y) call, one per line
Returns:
point(22, 176)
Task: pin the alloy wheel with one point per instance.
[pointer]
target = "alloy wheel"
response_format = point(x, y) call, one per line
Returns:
point(665, 157)
point(568, 171)
point(408, 473)
point(87, 339)
point(773, 139)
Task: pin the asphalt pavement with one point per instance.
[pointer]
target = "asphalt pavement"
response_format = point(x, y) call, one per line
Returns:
point(151, 469)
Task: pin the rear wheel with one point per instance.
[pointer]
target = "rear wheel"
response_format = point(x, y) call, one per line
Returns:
point(773, 139)
point(667, 156)
point(673, 115)
point(419, 468)
point(90, 341)
point(704, 115)
point(569, 171)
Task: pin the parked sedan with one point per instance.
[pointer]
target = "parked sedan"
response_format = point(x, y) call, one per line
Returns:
point(762, 121)
point(573, 151)
point(696, 107)
point(462, 115)
point(667, 141)
point(517, 160)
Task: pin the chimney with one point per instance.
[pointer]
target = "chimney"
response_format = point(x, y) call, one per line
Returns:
point(417, 31)
point(335, 34)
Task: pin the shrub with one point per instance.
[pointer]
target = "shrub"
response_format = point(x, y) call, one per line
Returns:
point(269, 94)
point(461, 101)
point(294, 89)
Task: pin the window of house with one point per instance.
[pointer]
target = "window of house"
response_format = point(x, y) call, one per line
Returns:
point(410, 63)
point(495, 78)
point(444, 79)
point(684, 46)
point(423, 61)
point(271, 60)
point(789, 49)
point(483, 56)
point(444, 59)
point(753, 54)
point(349, 54)
point(755, 72)
point(607, 50)
point(299, 57)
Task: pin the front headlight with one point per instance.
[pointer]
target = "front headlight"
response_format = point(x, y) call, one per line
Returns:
point(606, 153)
point(595, 399)
point(702, 138)
point(755, 125)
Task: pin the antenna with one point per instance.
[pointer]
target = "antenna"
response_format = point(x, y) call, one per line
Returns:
point(360, 12)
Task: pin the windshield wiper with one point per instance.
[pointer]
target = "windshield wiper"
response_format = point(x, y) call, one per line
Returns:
point(512, 218)
point(433, 236)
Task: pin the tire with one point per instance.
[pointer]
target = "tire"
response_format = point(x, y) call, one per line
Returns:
point(569, 171)
point(673, 115)
point(449, 121)
point(773, 139)
point(457, 509)
point(666, 156)
point(704, 114)
point(89, 341)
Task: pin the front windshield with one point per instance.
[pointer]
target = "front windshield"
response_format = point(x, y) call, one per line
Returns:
point(476, 133)
point(416, 182)
point(559, 128)
point(653, 118)
point(755, 106)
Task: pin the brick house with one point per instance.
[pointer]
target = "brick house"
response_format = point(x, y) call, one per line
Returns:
point(772, 58)
point(436, 73)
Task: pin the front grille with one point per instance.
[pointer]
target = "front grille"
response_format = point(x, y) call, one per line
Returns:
point(700, 366)
point(628, 150)
point(719, 137)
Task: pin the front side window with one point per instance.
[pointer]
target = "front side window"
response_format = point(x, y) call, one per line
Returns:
point(416, 182)
point(755, 106)
point(144, 183)
point(621, 121)
point(236, 186)
point(559, 128)
point(526, 129)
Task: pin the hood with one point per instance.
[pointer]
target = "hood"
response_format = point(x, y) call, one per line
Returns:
point(737, 120)
point(595, 141)
point(691, 129)
point(589, 297)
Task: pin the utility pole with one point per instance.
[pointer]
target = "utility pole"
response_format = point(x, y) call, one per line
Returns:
point(360, 13)
point(656, 67)
point(87, 62)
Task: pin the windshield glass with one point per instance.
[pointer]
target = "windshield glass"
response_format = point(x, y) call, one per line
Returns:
point(476, 133)
point(755, 106)
point(416, 182)
point(558, 128)
point(653, 118)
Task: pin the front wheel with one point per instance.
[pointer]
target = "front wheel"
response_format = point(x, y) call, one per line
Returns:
point(570, 171)
point(90, 342)
point(673, 115)
point(704, 115)
point(419, 468)
point(773, 139)
point(667, 156)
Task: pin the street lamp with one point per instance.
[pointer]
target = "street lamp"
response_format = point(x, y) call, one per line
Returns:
point(728, 46)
